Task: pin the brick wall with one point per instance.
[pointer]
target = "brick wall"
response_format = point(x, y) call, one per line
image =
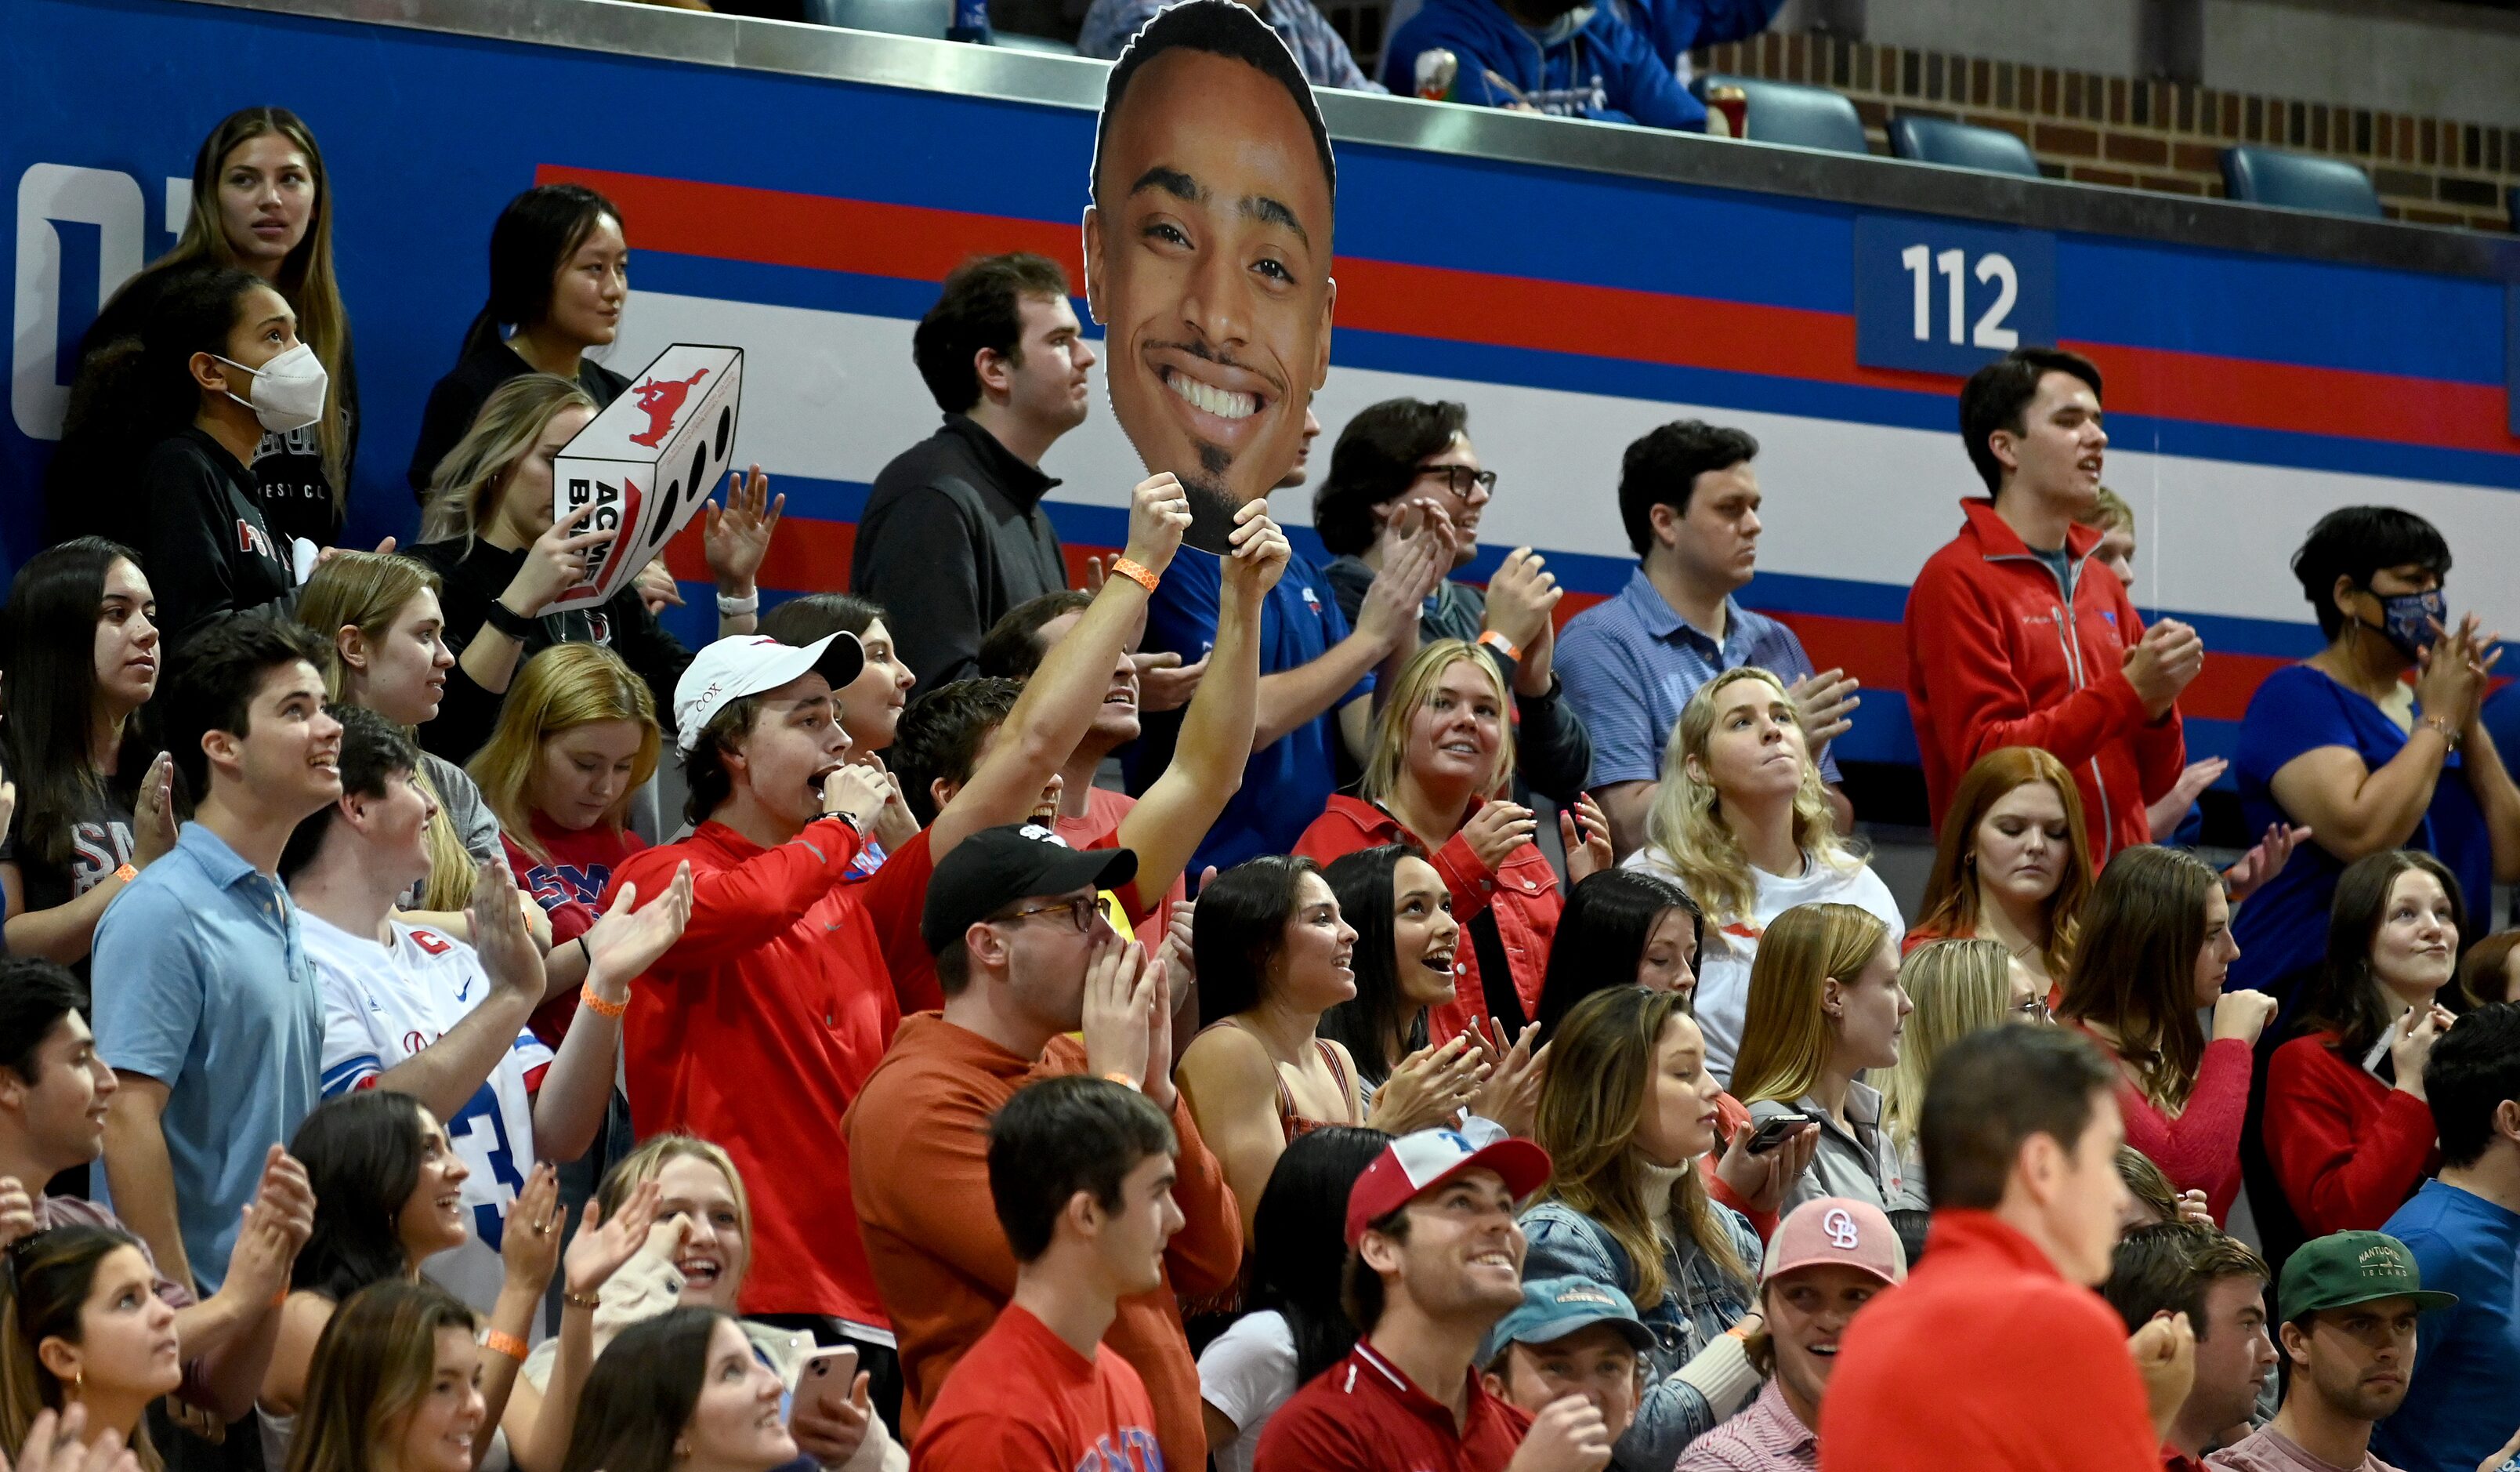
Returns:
point(2148, 135)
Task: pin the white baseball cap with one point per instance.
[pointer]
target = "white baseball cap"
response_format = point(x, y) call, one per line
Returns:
point(745, 665)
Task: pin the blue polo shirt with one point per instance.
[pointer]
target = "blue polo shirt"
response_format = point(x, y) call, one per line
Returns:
point(2461, 1401)
point(1631, 662)
point(1289, 781)
point(201, 983)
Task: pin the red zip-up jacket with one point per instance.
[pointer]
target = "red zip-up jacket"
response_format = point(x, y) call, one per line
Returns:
point(1522, 891)
point(2348, 1148)
point(1995, 659)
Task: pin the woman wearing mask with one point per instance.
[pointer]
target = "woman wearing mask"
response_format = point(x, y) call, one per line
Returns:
point(1827, 1008)
point(2156, 948)
point(1622, 928)
point(1625, 1112)
point(261, 203)
point(95, 796)
point(505, 558)
point(1442, 754)
point(2346, 1128)
point(2013, 865)
point(1742, 821)
point(82, 1324)
point(2343, 744)
point(1957, 988)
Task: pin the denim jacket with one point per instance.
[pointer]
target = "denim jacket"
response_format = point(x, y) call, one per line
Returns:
point(1698, 1303)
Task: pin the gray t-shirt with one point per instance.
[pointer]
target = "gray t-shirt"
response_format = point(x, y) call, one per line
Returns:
point(475, 823)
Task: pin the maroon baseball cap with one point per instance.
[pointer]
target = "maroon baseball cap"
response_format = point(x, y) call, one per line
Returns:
point(1414, 1163)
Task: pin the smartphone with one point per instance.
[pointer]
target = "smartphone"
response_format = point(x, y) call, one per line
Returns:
point(1774, 1131)
point(824, 1381)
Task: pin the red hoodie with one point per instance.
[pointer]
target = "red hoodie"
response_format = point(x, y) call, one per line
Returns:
point(1995, 659)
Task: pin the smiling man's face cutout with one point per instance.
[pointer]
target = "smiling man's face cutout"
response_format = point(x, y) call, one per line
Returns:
point(1208, 259)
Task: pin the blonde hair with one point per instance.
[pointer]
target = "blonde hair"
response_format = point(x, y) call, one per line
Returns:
point(1687, 822)
point(2110, 513)
point(464, 493)
point(649, 1161)
point(1785, 1036)
point(1415, 685)
point(1591, 1101)
point(566, 685)
point(368, 591)
point(1960, 987)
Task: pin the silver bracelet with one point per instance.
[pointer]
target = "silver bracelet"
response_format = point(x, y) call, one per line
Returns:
point(733, 607)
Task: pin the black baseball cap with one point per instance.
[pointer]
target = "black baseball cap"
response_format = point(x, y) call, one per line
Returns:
point(994, 867)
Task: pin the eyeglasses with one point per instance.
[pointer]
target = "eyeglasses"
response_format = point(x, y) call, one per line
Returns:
point(1461, 481)
point(2033, 1009)
point(1080, 913)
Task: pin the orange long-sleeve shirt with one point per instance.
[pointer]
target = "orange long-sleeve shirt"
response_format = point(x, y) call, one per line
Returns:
point(919, 1169)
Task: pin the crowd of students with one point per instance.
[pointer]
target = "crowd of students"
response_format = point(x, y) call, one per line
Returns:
point(1297, 1109)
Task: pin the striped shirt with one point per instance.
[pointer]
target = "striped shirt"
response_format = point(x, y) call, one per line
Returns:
point(1629, 664)
point(1766, 1437)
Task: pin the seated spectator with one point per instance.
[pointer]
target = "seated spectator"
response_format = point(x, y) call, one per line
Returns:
point(380, 615)
point(2489, 974)
point(1404, 967)
point(505, 558)
point(1620, 928)
point(1405, 462)
point(575, 742)
point(683, 1392)
point(53, 1089)
point(1442, 752)
point(401, 1382)
point(1081, 1174)
point(1545, 56)
point(1828, 1260)
point(1024, 958)
point(696, 1248)
point(2218, 1285)
point(84, 1325)
point(1955, 988)
point(419, 1012)
point(1626, 1111)
point(261, 203)
point(2344, 744)
point(560, 277)
point(1570, 1337)
point(2012, 864)
point(388, 1197)
point(1986, 666)
point(2463, 1230)
point(954, 534)
point(95, 796)
point(2020, 1137)
point(2347, 1134)
point(2350, 1303)
point(2155, 950)
point(1825, 1007)
point(207, 1004)
point(1689, 502)
point(1296, 1328)
point(1742, 822)
point(1677, 28)
point(1110, 24)
point(1433, 1260)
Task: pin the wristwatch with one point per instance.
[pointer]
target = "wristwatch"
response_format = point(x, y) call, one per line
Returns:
point(509, 621)
point(848, 818)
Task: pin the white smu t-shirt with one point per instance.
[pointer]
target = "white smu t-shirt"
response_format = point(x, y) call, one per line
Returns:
point(381, 1006)
point(1724, 955)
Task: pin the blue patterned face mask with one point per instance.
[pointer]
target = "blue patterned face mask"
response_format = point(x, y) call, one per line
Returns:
point(2407, 619)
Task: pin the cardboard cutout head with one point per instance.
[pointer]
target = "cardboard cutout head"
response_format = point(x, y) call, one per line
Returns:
point(1207, 253)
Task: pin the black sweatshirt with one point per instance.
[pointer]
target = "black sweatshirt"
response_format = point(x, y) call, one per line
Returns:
point(954, 537)
point(458, 395)
point(206, 548)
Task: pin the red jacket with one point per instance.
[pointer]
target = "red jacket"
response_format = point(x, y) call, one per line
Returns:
point(1986, 1359)
point(2348, 1148)
point(1522, 891)
point(1995, 658)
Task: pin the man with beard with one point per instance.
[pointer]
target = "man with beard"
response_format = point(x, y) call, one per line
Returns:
point(2348, 1303)
point(1208, 259)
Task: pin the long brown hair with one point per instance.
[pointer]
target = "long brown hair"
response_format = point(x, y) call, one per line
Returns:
point(2343, 999)
point(49, 1277)
point(2135, 968)
point(1593, 1098)
point(1785, 1036)
point(372, 1364)
point(1951, 904)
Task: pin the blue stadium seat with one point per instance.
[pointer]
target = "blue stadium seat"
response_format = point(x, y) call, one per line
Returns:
point(1802, 117)
point(2298, 181)
point(1960, 145)
point(901, 18)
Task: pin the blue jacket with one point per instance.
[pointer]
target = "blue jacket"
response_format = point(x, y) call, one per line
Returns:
point(1590, 64)
point(1675, 27)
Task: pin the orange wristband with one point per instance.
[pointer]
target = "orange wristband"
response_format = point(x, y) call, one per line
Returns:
point(498, 1342)
point(599, 1006)
point(1136, 573)
point(1121, 1078)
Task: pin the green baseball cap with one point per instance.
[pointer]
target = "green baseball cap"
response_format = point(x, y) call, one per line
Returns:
point(2353, 1268)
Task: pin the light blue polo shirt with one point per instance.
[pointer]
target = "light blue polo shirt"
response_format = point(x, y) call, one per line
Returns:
point(201, 983)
